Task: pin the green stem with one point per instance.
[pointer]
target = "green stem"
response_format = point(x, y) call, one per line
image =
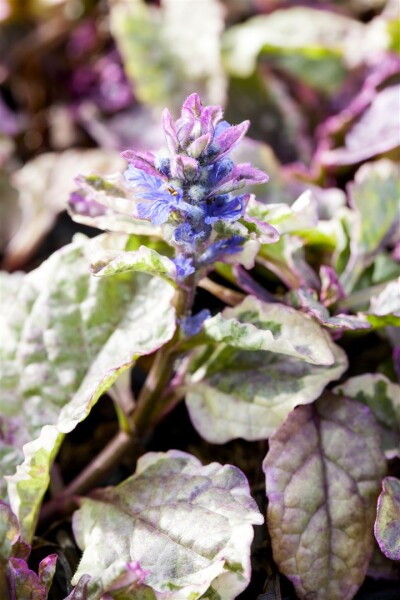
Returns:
point(361, 298)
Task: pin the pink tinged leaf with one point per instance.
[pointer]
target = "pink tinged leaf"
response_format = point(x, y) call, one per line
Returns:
point(331, 288)
point(199, 145)
point(387, 524)
point(323, 473)
point(192, 107)
point(230, 137)
point(375, 132)
point(169, 130)
point(264, 232)
point(133, 576)
point(47, 568)
point(142, 160)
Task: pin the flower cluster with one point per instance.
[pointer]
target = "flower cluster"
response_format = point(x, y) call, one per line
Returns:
point(190, 189)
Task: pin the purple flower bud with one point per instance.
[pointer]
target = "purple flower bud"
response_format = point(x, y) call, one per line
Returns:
point(230, 137)
point(198, 146)
point(184, 167)
point(191, 108)
point(210, 116)
point(170, 133)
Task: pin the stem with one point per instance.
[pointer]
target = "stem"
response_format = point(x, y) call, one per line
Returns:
point(225, 294)
point(157, 379)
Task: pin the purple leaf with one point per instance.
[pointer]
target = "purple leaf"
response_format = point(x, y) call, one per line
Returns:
point(387, 524)
point(323, 473)
point(27, 585)
point(376, 132)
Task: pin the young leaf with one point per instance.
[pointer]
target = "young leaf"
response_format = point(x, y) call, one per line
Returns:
point(250, 394)
point(257, 325)
point(387, 524)
point(323, 473)
point(374, 195)
point(307, 300)
point(68, 336)
point(145, 259)
point(188, 526)
point(383, 398)
point(385, 307)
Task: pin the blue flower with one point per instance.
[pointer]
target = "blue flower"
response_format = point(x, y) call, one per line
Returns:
point(188, 236)
point(222, 208)
point(184, 266)
point(221, 248)
point(161, 200)
point(193, 324)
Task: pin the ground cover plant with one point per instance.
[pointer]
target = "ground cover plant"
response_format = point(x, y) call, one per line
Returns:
point(200, 362)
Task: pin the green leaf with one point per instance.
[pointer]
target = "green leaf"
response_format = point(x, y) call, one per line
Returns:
point(249, 394)
point(301, 215)
point(323, 473)
point(385, 307)
point(145, 260)
point(172, 73)
point(387, 525)
point(9, 532)
point(374, 195)
point(68, 335)
point(257, 325)
point(307, 42)
point(188, 526)
point(44, 184)
point(383, 398)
